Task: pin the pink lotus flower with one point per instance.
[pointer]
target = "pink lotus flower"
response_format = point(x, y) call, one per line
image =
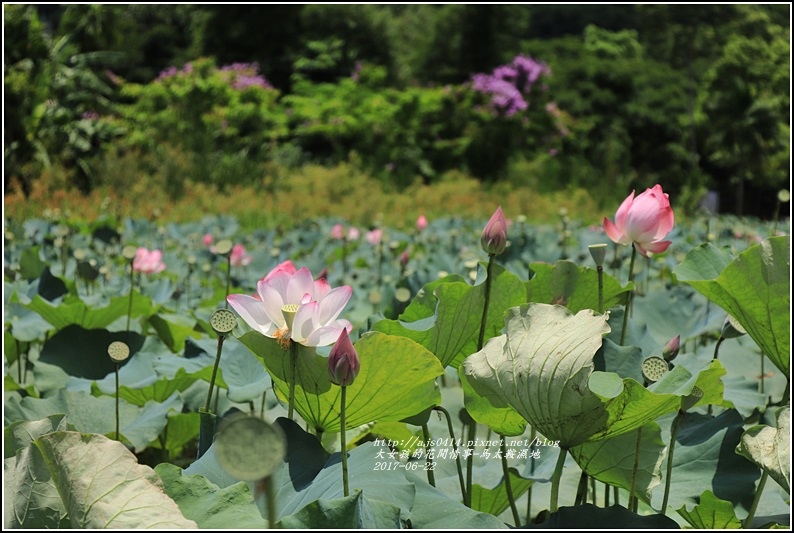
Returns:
point(208, 240)
point(494, 236)
point(374, 236)
point(239, 256)
point(421, 223)
point(290, 305)
point(343, 361)
point(643, 221)
point(148, 262)
point(353, 233)
point(338, 232)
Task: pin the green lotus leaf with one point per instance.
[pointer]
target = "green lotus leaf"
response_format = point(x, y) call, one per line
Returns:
point(575, 287)
point(174, 329)
point(208, 505)
point(491, 410)
point(711, 513)
point(396, 380)
point(91, 482)
point(770, 448)
point(540, 367)
point(73, 310)
point(755, 288)
point(352, 512)
point(445, 316)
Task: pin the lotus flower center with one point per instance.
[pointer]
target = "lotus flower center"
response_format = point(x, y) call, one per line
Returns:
point(284, 334)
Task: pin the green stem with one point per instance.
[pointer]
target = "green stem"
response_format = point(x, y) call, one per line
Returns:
point(616, 491)
point(262, 405)
point(630, 296)
point(270, 498)
point(508, 484)
point(19, 359)
point(129, 307)
point(431, 476)
point(593, 489)
point(344, 443)
point(228, 280)
point(632, 505)
point(581, 489)
point(673, 435)
point(480, 340)
point(555, 481)
point(117, 401)
point(293, 376)
point(600, 271)
point(606, 495)
point(748, 522)
point(469, 463)
point(532, 435)
point(455, 449)
point(214, 373)
point(762, 374)
point(716, 355)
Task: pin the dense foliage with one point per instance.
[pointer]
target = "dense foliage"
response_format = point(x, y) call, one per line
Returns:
point(697, 95)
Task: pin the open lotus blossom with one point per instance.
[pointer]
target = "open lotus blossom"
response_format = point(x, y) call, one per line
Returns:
point(338, 232)
point(148, 262)
point(290, 305)
point(239, 256)
point(374, 236)
point(643, 221)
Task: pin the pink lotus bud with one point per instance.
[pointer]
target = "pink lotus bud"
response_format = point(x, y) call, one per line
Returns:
point(239, 256)
point(494, 236)
point(338, 232)
point(374, 236)
point(421, 223)
point(208, 240)
point(643, 221)
point(343, 361)
point(404, 258)
point(353, 233)
point(670, 351)
point(148, 262)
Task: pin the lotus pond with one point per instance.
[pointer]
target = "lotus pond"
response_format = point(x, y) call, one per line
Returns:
point(493, 390)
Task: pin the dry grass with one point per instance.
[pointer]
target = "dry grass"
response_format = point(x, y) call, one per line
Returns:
point(287, 197)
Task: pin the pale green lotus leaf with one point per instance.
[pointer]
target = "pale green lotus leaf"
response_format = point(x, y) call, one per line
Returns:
point(770, 448)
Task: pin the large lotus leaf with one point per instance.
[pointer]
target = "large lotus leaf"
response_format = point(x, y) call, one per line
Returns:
point(501, 419)
point(139, 425)
point(182, 430)
point(159, 391)
point(541, 367)
point(705, 458)
point(73, 310)
point(30, 499)
point(84, 353)
point(352, 512)
point(575, 287)
point(396, 380)
point(101, 483)
point(208, 505)
point(435, 510)
point(445, 316)
point(711, 513)
point(770, 448)
point(612, 460)
point(611, 518)
point(625, 361)
point(631, 405)
point(20, 434)
point(30, 264)
point(495, 501)
point(174, 329)
point(755, 288)
point(23, 324)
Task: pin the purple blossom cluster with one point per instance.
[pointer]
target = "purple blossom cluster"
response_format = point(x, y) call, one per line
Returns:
point(172, 71)
point(244, 75)
point(509, 84)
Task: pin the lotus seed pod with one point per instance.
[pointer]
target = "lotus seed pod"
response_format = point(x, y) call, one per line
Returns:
point(653, 368)
point(129, 252)
point(598, 253)
point(118, 351)
point(224, 247)
point(783, 196)
point(223, 321)
point(402, 294)
point(249, 448)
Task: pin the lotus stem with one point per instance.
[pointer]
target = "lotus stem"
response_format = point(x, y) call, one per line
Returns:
point(593, 489)
point(228, 280)
point(581, 489)
point(293, 376)
point(606, 495)
point(532, 435)
point(469, 463)
point(630, 296)
point(632, 505)
point(431, 476)
point(600, 271)
point(345, 484)
point(214, 372)
point(555, 481)
point(508, 484)
point(673, 435)
point(19, 359)
point(262, 405)
point(455, 448)
point(129, 307)
point(117, 400)
point(270, 499)
point(748, 522)
point(761, 385)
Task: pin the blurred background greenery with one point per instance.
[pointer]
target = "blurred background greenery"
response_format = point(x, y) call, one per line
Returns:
point(278, 112)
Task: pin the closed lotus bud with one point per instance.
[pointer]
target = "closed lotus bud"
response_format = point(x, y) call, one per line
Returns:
point(671, 348)
point(494, 236)
point(731, 328)
point(343, 362)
